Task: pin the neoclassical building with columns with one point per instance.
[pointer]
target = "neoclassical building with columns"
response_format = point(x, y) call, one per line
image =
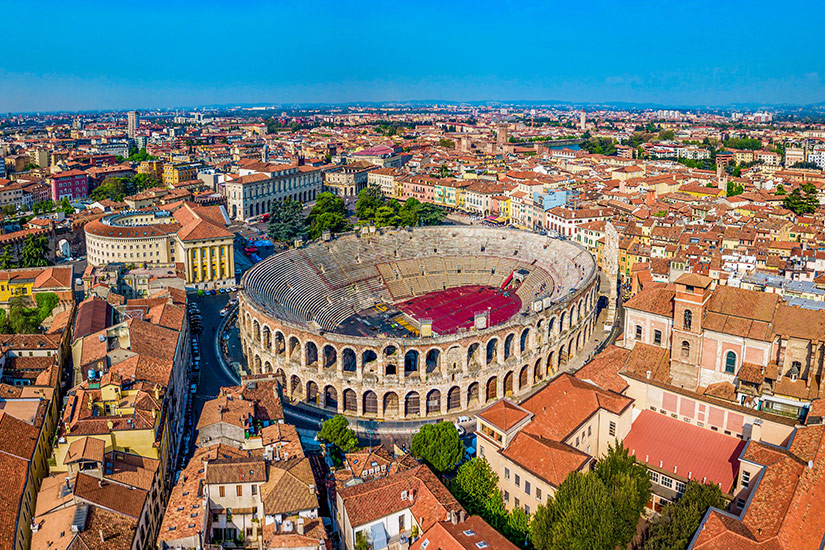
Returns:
point(294, 305)
point(180, 233)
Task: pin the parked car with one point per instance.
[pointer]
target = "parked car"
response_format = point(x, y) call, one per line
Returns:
point(193, 388)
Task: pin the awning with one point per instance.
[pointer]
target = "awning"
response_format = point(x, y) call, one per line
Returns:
point(379, 536)
point(490, 218)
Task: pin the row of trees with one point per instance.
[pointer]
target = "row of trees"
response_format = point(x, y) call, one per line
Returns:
point(117, 188)
point(374, 208)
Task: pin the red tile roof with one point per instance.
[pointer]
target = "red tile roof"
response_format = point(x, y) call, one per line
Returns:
point(685, 450)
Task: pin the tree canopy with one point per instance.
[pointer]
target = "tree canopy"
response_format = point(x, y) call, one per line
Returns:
point(336, 430)
point(23, 319)
point(329, 212)
point(475, 487)
point(286, 222)
point(438, 445)
point(752, 144)
point(599, 146)
point(139, 156)
point(373, 207)
point(800, 203)
point(674, 528)
point(599, 509)
point(35, 251)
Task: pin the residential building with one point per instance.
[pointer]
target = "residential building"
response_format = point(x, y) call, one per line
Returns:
point(261, 184)
point(70, 184)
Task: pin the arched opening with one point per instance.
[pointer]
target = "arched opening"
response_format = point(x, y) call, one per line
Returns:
point(390, 351)
point(688, 321)
point(410, 362)
point(280, 343)
point(256, 330)
point(370, 403)
point(508, 383)
point(579, 312)
point(685, 349)
point(257, 365)
point(492, 351)
point(367, 358)
point(508, 346)
point(330, 357)
point(390, 404)
point(434, 402)
point(561, 323)
point(562, 357)
point(454, 399)
point(267, 367)
point(350, 404)
point(311, 352)
point(294, 385)
point(294, 348)
point(391, 370)
point(472, 394)
point(348, 360)
point(525, 334)
point(730, 362)
point(492, 389)
point(312, 392)
point(522, 377)
point(433, 358)
point(331, 398)
point(267, 337)
point(280, 377)
point(472, 355)
point(412, 404)
point(550, 326)
point(550, 364)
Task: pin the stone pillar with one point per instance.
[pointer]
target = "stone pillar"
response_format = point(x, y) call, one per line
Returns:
point(610, 257)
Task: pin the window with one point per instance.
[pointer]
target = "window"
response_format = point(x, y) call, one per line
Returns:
point(526, 487)
point(654, 476)
point(740, 503)
point(667, 482)
point(518, 481)
point(589, 431)
point(526, 509)
point(425, 544)
point(222, 491)
point(685, 348)
point(796, 368)
point(680, 487)
point(538, 493)
point(688, 319)
point(638, 332)
point(239, 490)
point(746, 479)
point(506, 496)
point(577, 442)
point(518, 504)
point(506, 473)
point(611, 429)
point(730, 362)
point(657, 337)
point(254, 490)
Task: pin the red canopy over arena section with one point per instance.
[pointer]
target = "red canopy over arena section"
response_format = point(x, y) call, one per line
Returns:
point(455, 308)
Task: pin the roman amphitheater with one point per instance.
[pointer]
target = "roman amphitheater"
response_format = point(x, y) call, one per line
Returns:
point(410, 323)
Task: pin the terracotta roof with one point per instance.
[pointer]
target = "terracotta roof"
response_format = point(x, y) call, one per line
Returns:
point(85, 448)
point(503, 414)
point(657, 300)
point(463, 535)
point(114, 496)
point(549, 460)
point(290, 487)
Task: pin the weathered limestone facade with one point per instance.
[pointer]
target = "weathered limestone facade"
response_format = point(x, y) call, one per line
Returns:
point(394, 379)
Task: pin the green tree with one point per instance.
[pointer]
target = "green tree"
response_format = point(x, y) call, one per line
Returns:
point(444, 172)
point(385, 216)
point(578, 517)
point(446, 143)
point(752, 144)
point(430, 214)
point(30, 166)
point(9, 210)
point(143, 182)
point(336, 430)
point(369, 200)
point(518, 526)
point(474, 484)
point(139, 156)
point(66, 207)
point(408, 213)
point(599, 509)
point(674, 528)
point(329, 212)
point(6, 259)
point(780, 190)
point(802, 204)
point(438, 445)
point(806, 164)
point(286, 222)
point(35, 251)
point(667, 135)
point(734, 189)
point(599, 146)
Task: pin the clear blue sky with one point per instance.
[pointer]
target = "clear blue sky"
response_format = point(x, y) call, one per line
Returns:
point(78, 55)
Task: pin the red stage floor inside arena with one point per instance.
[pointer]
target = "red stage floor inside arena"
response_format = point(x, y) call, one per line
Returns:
point(455, 308)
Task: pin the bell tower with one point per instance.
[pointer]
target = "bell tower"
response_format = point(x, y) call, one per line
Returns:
point(693, 292)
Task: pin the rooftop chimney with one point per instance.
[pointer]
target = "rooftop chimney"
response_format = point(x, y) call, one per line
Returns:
point(102, 537)
point(453, 517)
